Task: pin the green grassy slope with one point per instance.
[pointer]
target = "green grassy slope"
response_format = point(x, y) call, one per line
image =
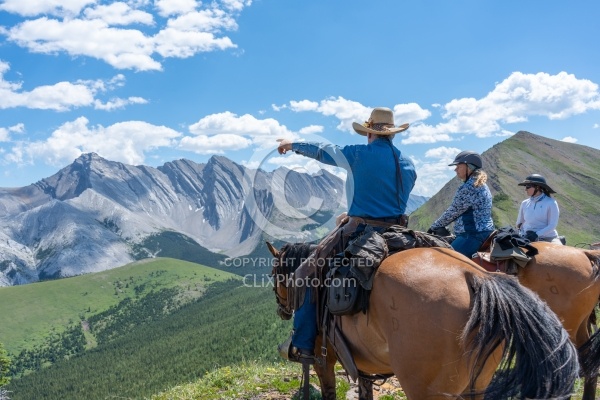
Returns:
point(572, 170)
point(30, 312)
point(229, 325)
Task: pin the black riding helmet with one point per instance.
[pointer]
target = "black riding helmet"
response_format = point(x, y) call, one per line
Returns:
point(537, 180)
point(468, 157)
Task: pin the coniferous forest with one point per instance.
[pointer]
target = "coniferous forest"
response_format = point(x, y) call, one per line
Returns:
point(142, 350)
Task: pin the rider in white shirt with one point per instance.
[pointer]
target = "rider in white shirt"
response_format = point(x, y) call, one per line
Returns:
point(538, 215)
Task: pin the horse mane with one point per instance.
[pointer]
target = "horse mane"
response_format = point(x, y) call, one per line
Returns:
point(293, 254)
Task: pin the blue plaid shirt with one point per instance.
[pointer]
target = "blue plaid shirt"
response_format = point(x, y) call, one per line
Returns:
point(471, 208)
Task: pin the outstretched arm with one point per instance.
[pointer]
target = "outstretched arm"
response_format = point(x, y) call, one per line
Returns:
point(285, 145)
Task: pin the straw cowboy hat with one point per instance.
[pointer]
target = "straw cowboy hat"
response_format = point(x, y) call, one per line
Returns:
point(380, 123)
point(537, 180)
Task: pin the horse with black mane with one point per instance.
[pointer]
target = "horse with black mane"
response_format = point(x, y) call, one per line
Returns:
point(568, 280)
point(446, 328)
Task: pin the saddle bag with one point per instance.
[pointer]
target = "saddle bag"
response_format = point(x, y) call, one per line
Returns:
point(344, 293)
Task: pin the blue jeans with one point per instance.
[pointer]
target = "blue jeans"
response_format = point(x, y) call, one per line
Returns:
point(305, 323)
point(469, 242)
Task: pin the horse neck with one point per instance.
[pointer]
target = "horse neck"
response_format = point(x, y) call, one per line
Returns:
point(294, 254)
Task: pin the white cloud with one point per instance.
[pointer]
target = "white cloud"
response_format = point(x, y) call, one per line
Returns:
point(236, 5)
point(125, 141)
point(121, 48)
point(512, 101)
point(216, 144)
point(569, 139)
point(261, 132)
point(443, 154)
point(183, 44)
point(422, 133)
point(5, 132)
point(348, 111)
point(4, 136)
point(435, 172)
point(275, 107)
point(311, 129)
point(410, 113)
point(596, 126)
point(303, 105)
point(174, 7)
point(117, 103)
point(52, 7)
point(62, 96)
point(119, 14)
point(112, 32)
point(213, 20)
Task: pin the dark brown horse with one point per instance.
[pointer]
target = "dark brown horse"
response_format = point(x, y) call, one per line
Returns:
point(568, 280)
point(445, 327)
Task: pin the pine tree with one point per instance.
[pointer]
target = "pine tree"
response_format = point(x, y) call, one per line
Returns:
point(4, 367)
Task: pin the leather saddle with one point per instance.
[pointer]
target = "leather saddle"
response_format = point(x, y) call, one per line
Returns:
point(483, 258)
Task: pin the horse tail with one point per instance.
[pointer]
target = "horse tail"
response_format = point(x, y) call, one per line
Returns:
point(538, 360)
point(589, 356)
point(589, 352)
point(594, 257)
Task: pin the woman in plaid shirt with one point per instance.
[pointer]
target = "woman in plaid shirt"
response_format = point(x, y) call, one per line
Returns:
point(471, 208)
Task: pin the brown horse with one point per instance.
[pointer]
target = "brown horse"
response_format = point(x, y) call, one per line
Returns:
point(445, 327)
point(568, 280)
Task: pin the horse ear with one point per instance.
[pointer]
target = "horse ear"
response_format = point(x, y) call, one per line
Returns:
point(273, 250)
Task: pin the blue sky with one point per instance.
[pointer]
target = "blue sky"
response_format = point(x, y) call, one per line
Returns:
point(146, 82)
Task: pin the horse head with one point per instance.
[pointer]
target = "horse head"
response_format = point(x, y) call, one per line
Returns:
point(287, 260)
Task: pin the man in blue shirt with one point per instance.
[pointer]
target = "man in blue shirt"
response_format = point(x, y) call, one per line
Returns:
point(380, 179)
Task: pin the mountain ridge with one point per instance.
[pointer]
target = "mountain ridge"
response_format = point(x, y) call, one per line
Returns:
point(572, 170)
point(89, 215)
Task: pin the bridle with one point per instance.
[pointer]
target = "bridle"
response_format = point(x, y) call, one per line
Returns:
point(287, 260)
point(281, 270)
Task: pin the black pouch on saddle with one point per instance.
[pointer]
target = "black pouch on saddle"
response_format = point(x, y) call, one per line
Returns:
point(344, 293)
point(351, 277)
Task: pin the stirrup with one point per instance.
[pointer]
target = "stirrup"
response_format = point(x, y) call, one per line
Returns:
point(285, 348)
point(292, 353)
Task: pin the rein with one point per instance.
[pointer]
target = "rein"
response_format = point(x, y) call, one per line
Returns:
point(290, 258)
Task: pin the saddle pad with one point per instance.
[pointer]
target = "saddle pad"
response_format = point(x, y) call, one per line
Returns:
point(483, 259)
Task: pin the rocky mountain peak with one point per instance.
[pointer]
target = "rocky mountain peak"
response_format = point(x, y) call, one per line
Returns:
point(96, 214)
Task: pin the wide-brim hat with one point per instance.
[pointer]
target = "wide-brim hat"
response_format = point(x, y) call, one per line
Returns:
point(537, 180)
point(381, 122)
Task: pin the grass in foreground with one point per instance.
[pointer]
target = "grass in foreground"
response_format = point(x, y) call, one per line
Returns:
point(250, 381)
point(258, 381)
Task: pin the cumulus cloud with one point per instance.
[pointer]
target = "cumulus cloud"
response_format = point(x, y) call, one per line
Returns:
point(123, 34)
point(217, 144)
point(119, 14)
point(4, 136)
point(569, 139)
point(348, 111)
point(261, 132)
point(125, 141)
point(434, 172)
point(174, 7)
point(311, 129)
point(5, 132)
point(52, 7)
point(512, 101)
point(62, 96)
